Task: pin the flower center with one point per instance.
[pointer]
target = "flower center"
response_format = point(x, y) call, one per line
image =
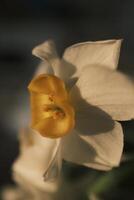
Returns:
point(52, 113)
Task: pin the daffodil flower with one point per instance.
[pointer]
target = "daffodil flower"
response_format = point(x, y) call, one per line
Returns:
point(76, 103)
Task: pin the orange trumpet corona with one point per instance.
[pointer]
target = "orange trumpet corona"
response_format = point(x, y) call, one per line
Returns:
point(52, 114)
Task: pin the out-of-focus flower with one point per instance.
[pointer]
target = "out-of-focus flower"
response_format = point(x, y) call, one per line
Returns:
point(37, 154)
point(12, 193)
point(79, 115)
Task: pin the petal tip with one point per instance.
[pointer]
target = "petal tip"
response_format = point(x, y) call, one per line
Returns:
point(45, 50)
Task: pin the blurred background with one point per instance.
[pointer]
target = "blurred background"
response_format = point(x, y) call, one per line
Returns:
point(24, 24)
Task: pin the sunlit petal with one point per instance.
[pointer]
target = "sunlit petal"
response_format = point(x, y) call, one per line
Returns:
point(48, 53)
point(45, 51)
point(99, 52)
point(110, 90)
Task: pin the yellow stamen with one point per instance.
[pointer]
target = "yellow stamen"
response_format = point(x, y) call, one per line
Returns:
point(52, 112)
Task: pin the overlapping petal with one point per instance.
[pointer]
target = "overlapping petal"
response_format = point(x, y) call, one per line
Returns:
point(48, 53)
point(110, 90)
point(87, 53)
point(78, 56)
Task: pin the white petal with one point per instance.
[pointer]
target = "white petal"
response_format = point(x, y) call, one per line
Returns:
point(43, 68)
point(12, 193)
point(17, 193)
point(36, 157)
point(108, 89)
point(96, 142)
point(101, 52)
point(47, 52)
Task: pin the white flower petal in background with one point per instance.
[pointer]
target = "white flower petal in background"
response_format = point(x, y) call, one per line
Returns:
point(24, 193)
point(111, 91)
point(37, 156)
point(13, 193)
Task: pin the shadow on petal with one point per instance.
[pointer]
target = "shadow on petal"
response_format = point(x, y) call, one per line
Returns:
point(80, 150)
point(90, 119)
point(99, 151)
point(93, 121)
point(74, 147)
point(97, 140)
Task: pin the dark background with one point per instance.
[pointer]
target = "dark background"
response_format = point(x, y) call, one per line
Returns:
point(23, 24)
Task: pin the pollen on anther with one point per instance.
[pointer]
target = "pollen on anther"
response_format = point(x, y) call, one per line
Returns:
point(51, 98)
point(59, 114)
